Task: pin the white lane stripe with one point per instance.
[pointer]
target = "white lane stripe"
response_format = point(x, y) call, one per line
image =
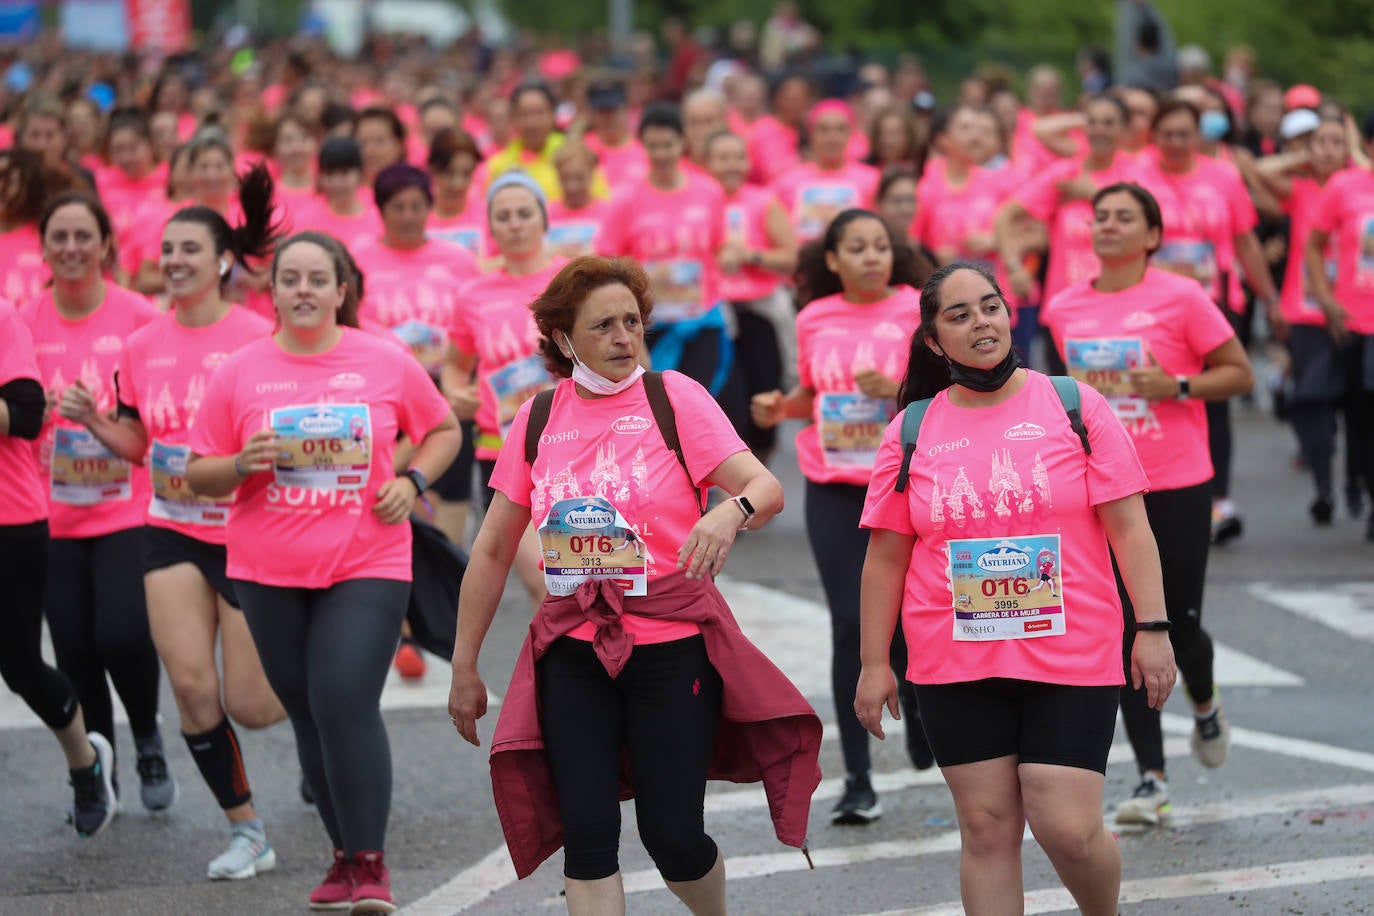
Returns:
point(1347, 608)
point(1200, 884)
point(1280, 744)
point(754, 866)
point(469, 887)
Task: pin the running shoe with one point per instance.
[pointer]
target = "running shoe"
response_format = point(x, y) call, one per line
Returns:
point(94, 804)
point(335, 892)
point(159, 786)
point(1211, 738)
point(410, 664)
point(1148, 804)
point(372, 884)
point(1226, 524)
point(249, 855)
point(859, 803)
point(1322, 510)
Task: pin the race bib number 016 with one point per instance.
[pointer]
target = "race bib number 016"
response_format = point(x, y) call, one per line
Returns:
point(586, 537)
point(852, 428)
point(85, 472)
point(1105, 363)
point(323, 446)
point(1006, 588)
point(172, 498)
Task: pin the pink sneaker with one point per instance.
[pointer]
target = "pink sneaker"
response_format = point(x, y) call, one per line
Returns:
point(371, 884)
point(336, 890)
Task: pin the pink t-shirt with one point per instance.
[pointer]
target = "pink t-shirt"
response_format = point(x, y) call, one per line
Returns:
point(1204, 210)
point(163, 372)
point(354, 231)
point(836, 339)
point(610, 447)
point(813, 196)
point(1295, 301)
point(572, 233)
point(623, 166)
point(22, 271)
point(142, 242)
point(21, 498)
point(291, 203)
point(746, 222)
point(415, 292)
point(353, 400)
point(90, 491)
point(946, 216)
point(1033, 485)
point(467, 230)
point(1172, 320)
point(773, 149)
point(124, 197)
point(1030, 155)
point(1070, 222)
point(675, 235)
point(493, 321)
point(1346, 210)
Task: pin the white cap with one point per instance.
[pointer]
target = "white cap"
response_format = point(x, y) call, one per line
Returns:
point(1297, 122)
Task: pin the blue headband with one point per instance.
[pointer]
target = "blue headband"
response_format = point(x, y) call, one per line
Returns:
point(518, 179)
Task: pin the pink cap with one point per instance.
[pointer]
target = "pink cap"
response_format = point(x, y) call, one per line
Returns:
point(1301, 96)
point(831, 106)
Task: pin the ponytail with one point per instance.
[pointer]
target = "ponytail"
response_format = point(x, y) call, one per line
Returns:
point(256, 236)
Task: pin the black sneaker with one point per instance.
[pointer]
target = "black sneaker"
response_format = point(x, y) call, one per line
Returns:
point(94, 805)
point(1226, 528)
point(159, 786)
point(858, 805)
point(1322, 510)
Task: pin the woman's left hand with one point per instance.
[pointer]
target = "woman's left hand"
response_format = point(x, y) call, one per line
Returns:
point(877, 688)
point(876, 385)
point(395, 499)
point(708, 543)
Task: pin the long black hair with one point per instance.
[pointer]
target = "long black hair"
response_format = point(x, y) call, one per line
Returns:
point(815, 280)
point(927, 372)
point(257, 235)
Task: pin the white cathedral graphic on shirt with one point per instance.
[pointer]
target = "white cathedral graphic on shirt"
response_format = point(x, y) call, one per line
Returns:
point(1006, 492)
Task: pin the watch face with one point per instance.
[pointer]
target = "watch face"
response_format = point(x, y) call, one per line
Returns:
point(746, 505)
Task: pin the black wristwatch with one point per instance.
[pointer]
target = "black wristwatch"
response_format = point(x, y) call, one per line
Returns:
point(1184, 388)
point(417, 477)
point(1153, 626)
point(747, 508)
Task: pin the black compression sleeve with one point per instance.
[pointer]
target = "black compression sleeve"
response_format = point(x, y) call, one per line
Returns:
point(26, 402)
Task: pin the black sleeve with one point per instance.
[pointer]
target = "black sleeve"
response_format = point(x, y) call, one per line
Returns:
point(122, 409)
point(26, 402)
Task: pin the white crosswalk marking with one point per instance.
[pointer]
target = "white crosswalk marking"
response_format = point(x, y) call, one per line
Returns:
point(1346, 607)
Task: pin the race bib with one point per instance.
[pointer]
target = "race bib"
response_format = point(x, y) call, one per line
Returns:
point(586, 537)
point(428, 343)
point(84, 471)
point(1105, 363)
point(572, 240)
point(172, 498)
point(515, 384)
point(678, 291)
point(1190, 259)
point(1006, 588)
point(819, 204)
point(323, 446)
point(852, 427)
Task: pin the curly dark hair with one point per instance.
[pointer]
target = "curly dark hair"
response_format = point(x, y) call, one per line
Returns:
point(556, 308)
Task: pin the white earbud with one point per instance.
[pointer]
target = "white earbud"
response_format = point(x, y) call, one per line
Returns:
point(223, 267)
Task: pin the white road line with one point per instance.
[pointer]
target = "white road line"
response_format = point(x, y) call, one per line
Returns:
point(1199, 884)
point(1347, 608)
point(469, 887)
point(1279, 744)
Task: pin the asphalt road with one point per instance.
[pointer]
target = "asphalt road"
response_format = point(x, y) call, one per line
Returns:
point(1284, 827)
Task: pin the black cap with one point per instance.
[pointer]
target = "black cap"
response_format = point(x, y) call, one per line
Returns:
point(606, 94)
point(339, 154)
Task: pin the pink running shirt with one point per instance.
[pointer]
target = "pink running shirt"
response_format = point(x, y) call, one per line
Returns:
point(22, 271)
point(415, 292)
point(354, 231)
point(90, 492)
point(21, 498)
point(813, 197)
point(1010, 472)
point(1178, 326)
point(163, 373)
point(623, 166)
point(836, 339)
point(1295, 300)
point(773, 149)
point(572, 233)
point(610, 447)
point(315, 536)
point(1346, 209)
point(746, 222)
point(467, 230)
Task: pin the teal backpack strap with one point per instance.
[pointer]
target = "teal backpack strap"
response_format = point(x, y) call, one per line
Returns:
point(912, 416)
point(1072, 399)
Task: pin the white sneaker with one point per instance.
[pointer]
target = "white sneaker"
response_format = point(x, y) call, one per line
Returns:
point(1148, 804)
point(249, 854)
point(1211, 738)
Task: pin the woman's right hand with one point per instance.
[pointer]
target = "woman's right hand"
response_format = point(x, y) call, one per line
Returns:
point(258, 455)
point(877, 688)
point(766, 409)
point(465, 400)
point(78, 404)
point(467, 702)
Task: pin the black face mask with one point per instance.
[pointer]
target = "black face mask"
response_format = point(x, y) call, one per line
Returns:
point(984, 380)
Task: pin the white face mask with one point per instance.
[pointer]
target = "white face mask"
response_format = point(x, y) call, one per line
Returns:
point(599, 384)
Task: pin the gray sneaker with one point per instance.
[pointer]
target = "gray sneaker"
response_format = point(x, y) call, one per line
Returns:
point(159, 786)
point(249, 854)
point(93, 805)
point(1148, 804)
point(1211, 738)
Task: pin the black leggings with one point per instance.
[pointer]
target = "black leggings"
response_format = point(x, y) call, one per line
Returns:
point(1181, 520)
point(99, 622)
point(757, 368)
point(839, 546)
point(23, 567)
point(326, 653)
point(1219, 437)
point(663, 710)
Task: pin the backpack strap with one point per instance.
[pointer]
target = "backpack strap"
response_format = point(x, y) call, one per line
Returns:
point(539, 418)
point(666, 421)
point(1072, 399)
point(912, 416)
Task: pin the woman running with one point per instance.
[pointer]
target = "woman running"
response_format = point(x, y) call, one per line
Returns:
point(814, 192)
point(191, 603)
point(1148, 341)
point(858, 304)
point(318, 548)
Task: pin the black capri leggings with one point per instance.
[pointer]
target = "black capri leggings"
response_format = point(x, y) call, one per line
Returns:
point(663, 709)
point(326, 653)
point(99, 622)
point(23, 568)
point(1181, 520)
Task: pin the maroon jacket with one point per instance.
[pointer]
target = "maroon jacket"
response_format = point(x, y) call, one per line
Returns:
point(767, 729)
